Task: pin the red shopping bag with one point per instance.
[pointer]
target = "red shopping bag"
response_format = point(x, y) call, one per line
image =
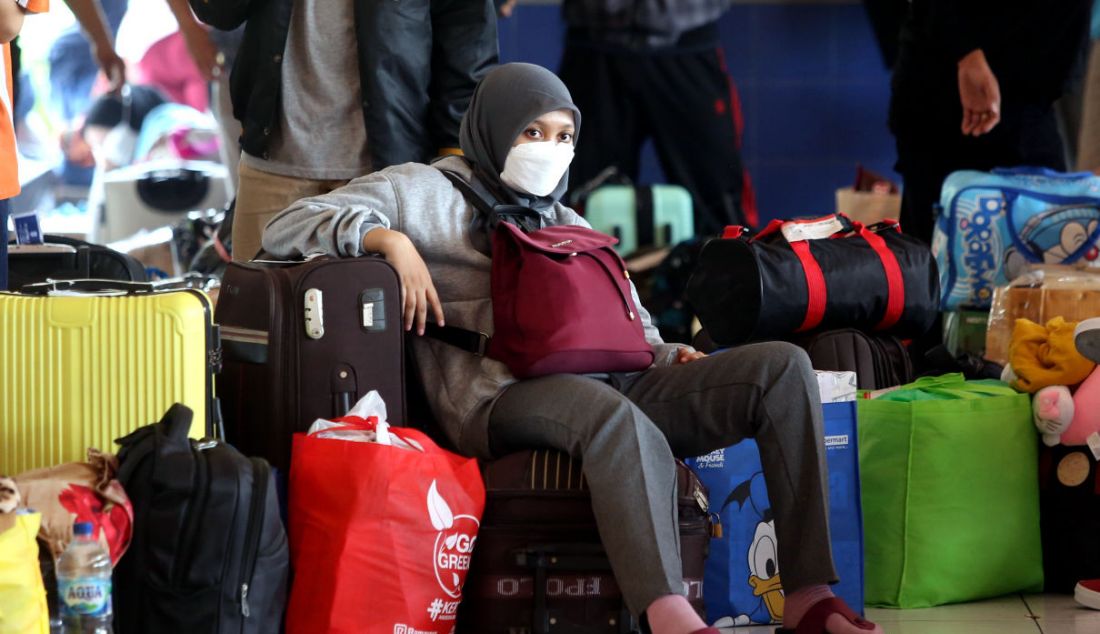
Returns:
point(380, 535)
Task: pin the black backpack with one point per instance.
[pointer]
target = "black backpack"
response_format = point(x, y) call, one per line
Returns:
point(209, 553)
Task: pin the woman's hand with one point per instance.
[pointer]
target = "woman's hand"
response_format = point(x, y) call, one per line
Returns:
point(417, 291)
point(687, 355)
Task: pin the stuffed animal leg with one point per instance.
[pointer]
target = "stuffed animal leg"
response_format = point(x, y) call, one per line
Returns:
point(1053, 410)
point(1086, 412)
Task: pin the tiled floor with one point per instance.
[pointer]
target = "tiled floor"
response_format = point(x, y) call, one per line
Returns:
point(1013, 614)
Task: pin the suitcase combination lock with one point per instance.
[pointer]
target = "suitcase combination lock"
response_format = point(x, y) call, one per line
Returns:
point(314, 314)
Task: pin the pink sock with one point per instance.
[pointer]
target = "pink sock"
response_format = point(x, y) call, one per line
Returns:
point(672, 614)
point(796, 604)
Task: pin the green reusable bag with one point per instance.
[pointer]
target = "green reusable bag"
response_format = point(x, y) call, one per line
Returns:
point(950, 492)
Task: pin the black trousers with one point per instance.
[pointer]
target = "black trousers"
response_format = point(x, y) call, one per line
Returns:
point(929, 149)
point(682, 99)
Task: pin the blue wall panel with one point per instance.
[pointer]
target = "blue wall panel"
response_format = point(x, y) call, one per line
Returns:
point(813, 88)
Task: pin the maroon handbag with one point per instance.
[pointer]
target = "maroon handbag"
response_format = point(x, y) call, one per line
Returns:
point(562, 304)
point(561, 301)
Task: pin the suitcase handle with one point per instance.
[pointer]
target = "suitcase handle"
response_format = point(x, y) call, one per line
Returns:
point(91, 286)
point(96, 286)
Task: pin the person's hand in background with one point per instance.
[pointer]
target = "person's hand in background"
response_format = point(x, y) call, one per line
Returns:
point(980, 94)
point(89, 14)
point(202, 50)
point(506, 8)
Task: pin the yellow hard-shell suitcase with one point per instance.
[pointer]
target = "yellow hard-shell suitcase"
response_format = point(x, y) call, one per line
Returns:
point(80, 370)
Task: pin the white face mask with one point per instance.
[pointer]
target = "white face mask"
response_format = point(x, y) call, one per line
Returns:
point(536, 168)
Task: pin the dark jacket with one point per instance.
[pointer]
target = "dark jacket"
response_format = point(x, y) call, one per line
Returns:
point(1032, 47)
point(419, 61)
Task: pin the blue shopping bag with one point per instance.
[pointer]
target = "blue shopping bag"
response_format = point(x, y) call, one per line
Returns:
point(743, 578)
point(994, 224)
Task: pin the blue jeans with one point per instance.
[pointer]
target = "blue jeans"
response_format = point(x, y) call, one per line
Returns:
point(5, 208)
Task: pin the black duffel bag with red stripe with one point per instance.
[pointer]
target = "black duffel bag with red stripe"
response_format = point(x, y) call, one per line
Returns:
point(797, 277)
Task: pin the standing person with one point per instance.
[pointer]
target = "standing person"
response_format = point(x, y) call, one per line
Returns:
point(973, 89)
point(327, 91)
point(12, 13)
point(653, 68)
point(518, 141)
point(1088, 147)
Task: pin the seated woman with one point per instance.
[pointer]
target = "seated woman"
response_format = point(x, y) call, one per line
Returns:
point(626, 428)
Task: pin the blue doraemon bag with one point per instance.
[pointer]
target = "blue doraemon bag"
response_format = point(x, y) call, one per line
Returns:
point(742, 583)
point(994, 224)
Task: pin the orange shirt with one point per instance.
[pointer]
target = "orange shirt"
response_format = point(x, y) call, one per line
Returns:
point(9, 166)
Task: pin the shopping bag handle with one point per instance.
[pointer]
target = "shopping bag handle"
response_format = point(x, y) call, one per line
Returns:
point(955, 384)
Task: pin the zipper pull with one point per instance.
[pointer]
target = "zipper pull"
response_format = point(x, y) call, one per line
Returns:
point(701, 499)
point(716, 526)
point(245, 612)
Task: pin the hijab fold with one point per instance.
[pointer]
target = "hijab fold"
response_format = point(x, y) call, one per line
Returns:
point(507, 99)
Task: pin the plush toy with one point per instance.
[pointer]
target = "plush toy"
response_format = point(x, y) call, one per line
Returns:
point(1044, 360)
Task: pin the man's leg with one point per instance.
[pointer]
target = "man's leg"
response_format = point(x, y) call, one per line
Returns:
point(627, 464)
point(688, 104)
point(610, 133)
point(260, 197)
point(768, 392)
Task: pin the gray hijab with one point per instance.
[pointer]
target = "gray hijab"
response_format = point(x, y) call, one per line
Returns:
point(506, 100)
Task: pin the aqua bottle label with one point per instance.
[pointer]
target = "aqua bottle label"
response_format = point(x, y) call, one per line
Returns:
point(86, 596)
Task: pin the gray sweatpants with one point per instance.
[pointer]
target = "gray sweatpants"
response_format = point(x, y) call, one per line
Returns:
point(627, 430)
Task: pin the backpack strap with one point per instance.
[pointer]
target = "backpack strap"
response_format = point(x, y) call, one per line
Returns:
point(523, 217)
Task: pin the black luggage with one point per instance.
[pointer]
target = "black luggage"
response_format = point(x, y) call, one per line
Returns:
point(62, 258)
point(306, 340)
point(1069, 505)
point(758, 287)
point(209, 553)
point(878, 360)
point(539, 566)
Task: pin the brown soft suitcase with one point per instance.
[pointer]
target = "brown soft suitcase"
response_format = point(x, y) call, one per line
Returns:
point(539, 566)
point(306, 340)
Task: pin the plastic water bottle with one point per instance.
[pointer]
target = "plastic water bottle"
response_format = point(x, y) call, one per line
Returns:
point(84, 584)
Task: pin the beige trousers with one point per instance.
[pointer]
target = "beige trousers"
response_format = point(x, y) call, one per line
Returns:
point(261, 196)
point(1088, 148)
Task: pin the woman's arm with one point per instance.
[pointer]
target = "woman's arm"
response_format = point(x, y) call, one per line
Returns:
point(355, 220)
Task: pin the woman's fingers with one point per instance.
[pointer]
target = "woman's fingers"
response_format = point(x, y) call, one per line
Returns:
point(437, 307)
point(409, 303)
point(421, 310)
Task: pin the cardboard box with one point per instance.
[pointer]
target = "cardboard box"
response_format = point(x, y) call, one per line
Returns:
point(868, 207)
point(1040, 295)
